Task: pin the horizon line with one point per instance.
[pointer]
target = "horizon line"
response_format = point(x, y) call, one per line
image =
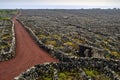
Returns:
point(60, 8)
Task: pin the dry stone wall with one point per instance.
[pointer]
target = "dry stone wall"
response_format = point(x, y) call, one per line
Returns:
point(47, 68)
point(11, 53)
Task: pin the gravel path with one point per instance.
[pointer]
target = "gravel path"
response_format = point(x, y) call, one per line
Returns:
point(27, 54)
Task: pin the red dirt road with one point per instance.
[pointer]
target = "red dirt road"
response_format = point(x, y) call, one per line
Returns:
point(27, 54)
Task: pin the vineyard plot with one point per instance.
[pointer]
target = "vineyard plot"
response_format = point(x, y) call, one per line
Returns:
point(66, 30)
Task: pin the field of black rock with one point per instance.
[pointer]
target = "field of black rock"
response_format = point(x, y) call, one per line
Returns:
point(66, 30)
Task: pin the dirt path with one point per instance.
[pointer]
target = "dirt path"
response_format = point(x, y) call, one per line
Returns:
point(27, 55)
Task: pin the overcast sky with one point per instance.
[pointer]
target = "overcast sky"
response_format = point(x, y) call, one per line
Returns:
point(77, 4)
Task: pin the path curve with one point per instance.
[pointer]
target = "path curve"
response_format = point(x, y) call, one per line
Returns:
point(27, 54)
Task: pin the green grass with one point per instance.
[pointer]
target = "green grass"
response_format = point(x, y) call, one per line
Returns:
point(91, 72)
point(95, 74)
point(68, 75)
point(5, 14)
point(75, 75)
point(46, 77)
point(63, 76)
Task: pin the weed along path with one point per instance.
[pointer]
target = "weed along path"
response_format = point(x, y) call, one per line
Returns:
point(27, 54)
